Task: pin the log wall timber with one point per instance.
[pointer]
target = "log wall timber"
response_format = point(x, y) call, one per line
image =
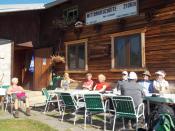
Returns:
point(20, 27)
point(158, 17)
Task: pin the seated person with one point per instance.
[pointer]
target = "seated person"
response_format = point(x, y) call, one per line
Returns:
point(88, 84)
point(146, 84)
point(102, 86)
point(18, 94)
point(133, 89)
point(160, 84)
point(124, 79)
point(65, 83)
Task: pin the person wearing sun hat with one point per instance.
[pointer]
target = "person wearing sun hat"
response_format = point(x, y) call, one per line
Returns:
point(146, 84)
point(160, 84)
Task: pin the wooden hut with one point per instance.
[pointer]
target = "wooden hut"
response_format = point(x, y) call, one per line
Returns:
point(109, 36)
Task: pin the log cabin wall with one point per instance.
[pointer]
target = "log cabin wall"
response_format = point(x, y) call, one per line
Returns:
point(157, 17)
point(20, 27)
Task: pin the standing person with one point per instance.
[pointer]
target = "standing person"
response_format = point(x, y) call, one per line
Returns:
point(88, 84)
point(65, 83)
point(102, 86)
point(160, 84)
point(18, 94)
point(124, 79)
point(146, 84)
point(133, 89)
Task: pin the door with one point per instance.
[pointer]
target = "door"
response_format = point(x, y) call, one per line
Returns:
point(42, 68)
point(6, 61)
point(22, 66)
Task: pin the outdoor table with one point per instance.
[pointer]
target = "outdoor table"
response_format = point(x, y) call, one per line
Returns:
point(75, 92)
point(165, 98)
point(81, 93)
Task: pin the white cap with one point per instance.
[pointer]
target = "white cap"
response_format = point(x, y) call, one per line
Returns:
point(132, 76)
point(125, 73)
point(160, 72)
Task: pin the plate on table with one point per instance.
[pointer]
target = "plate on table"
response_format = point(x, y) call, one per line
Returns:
point(108, 92)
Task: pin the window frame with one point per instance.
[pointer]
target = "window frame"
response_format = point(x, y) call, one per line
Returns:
point(127, 33)
point(76, 42)
point(67, 11)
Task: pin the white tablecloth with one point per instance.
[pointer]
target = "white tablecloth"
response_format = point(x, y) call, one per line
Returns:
point(81, 93)
point(75, 92)
point(2, 92)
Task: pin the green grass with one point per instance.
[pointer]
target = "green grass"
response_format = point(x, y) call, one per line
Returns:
point(23, 125)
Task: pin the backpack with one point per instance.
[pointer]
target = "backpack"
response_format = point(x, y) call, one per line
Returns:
point(165, 123)
point(161, 118)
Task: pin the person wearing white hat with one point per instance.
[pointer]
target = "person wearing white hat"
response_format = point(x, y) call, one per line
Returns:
point(133, 89)
point(124, 79)
point(160, 84)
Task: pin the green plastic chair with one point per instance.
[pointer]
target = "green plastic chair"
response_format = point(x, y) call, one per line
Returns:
point(94, 105)
point(5, 86)
point(124, 108)
point(69, 103)
point(49, 99)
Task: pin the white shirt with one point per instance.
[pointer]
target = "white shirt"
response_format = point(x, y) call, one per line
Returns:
point(161, 86)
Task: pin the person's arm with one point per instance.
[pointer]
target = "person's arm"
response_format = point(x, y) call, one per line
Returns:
point(84, 85)
point(61, 84)
point(71, 80)
point(21, 89)
point(122, 91)
point(143, 93)
point(9, 91)
point(89, 87)
point(103, 89)
point(95, 87)
point(167, 85)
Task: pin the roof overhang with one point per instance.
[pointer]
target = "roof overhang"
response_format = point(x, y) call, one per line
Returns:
point(27, 7)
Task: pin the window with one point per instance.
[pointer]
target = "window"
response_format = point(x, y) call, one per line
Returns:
point(128, 50)
point(76, 55)
point(70, 15)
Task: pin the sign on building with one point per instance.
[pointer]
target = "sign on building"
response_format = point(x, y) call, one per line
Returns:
point(125, 9)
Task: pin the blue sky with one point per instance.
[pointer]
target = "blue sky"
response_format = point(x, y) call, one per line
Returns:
point(24, 1)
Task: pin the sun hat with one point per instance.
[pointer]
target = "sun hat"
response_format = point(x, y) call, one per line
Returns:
point(132, 76)
point(147, 73)
point(160, 72)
